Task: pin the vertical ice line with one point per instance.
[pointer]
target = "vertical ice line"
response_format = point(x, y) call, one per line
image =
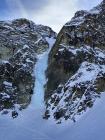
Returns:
point(40, 78)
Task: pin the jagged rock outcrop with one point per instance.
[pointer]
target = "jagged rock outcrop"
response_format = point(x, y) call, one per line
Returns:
point(21, 41)
point(76, 71)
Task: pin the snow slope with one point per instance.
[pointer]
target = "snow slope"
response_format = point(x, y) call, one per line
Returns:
point(91, 126)
point(31, 126)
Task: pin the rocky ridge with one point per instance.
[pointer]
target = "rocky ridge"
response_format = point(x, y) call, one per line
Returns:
point(76, 71)
point(21, 41)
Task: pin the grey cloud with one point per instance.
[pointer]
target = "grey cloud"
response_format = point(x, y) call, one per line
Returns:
point(54, 13)
point(34, 4)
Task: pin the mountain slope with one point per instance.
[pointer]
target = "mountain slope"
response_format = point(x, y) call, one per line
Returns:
point(21, 41)
point(76, 71)
point(90, 127)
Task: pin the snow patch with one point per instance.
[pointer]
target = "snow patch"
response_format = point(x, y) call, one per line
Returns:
point(7, 83)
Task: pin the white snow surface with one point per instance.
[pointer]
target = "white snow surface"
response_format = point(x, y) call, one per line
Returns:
point(7, 83)
point(31, 126)
point(87, 72)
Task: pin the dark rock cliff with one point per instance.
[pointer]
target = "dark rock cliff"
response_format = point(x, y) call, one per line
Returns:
point(76, 70)
point(21, 41)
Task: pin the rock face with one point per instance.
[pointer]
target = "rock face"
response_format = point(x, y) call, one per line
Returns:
point(20, 42)
point(76, 71)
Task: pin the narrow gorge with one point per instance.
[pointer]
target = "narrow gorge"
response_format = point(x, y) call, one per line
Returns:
point(52, 86)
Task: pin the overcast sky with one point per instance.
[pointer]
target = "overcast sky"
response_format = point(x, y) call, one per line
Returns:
point(54, 13)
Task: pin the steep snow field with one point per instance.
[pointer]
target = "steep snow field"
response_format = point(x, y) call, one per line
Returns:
point(91, 126)
point(30, 125)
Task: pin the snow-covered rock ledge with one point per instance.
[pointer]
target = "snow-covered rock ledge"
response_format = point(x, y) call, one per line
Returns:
point(74, 98)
